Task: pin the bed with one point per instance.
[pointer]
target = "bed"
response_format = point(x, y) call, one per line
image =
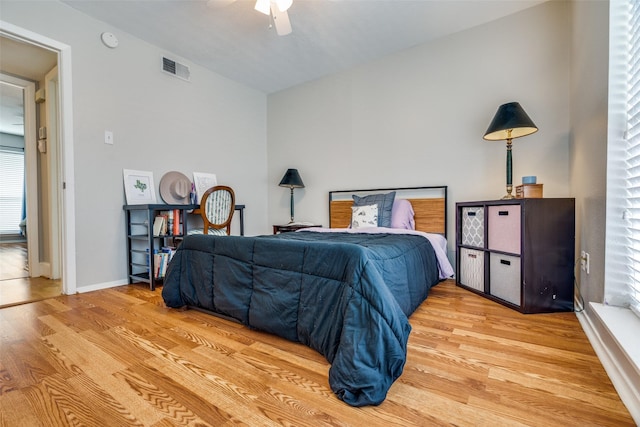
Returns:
point(346, 291)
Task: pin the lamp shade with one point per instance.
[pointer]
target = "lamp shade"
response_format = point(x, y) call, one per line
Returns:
point(510, 121)
point(291, 179)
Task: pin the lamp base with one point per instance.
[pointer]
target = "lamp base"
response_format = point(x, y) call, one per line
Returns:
point(509, 196)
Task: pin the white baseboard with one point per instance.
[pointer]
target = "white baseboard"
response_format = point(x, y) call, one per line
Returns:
point(100, 286)
point(617, 353)
point(44, 269)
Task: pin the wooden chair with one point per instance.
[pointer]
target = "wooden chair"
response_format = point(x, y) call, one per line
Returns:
point(216, 208)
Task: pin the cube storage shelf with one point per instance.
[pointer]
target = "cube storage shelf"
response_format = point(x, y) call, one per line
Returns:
point(518, 252)
point(141, 243)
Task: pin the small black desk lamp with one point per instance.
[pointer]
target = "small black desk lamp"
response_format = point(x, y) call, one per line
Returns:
point(292, 180)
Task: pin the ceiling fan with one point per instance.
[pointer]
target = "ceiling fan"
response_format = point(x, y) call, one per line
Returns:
point(277, 9)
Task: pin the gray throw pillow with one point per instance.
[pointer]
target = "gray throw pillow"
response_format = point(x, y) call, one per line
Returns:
point(385, 206)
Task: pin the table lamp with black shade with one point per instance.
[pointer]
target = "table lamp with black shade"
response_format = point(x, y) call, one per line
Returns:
point(510, 122)
point(292, 180)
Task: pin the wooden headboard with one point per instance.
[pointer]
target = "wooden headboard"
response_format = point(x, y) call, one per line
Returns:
point(429, 206)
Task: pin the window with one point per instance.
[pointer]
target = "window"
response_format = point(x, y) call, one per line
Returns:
point(623, 175)
point(11, 190)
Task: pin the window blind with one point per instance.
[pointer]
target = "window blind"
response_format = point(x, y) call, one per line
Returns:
point(632, 137)
point(622, 253)
point(11, 190)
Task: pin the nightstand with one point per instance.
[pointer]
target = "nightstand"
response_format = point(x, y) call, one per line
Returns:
point(291, 227)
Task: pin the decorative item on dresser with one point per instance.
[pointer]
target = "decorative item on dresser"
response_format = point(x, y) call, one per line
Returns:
point(529, 188)
point(527, 191)
point(138, 187)
point(175, 188)
point(518, 252)
point(510, 122)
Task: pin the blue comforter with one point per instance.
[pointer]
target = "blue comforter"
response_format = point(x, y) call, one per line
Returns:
point(348, 296)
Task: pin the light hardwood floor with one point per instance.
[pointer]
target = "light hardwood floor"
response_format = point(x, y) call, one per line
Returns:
point(16, 287)
point(120, 357)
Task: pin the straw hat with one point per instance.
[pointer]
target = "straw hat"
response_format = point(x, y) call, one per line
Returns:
point(175, 188)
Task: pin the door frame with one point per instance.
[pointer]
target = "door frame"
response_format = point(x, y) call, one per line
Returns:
point(65, 134)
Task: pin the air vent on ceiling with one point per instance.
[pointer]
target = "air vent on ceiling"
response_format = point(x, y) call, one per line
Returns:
point(175, 68)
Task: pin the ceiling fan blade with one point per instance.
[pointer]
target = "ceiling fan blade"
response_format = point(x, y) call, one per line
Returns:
point(214, 4)
point(280, 21)
point(284, 5)
point(263, 6)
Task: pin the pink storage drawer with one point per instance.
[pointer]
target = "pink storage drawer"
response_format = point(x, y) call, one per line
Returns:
point(472, 268)
point(504, 228)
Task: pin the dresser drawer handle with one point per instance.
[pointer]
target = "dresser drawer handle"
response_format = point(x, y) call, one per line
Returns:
point(474, 256)
point(505, 262)
point(471, 213)
point(503, 213)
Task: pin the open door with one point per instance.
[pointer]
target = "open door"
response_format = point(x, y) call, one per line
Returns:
point(51, 138)
point(30, 165)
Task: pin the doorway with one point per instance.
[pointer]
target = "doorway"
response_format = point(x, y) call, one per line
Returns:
point(46, 235)
point(18, 184)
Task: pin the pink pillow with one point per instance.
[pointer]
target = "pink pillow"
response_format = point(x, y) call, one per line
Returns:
point(402, 215)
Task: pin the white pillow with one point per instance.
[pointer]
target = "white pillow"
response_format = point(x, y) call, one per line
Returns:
point(364, 216)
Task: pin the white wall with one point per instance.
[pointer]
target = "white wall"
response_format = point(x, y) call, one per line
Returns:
point(588, 149)
point(418, 117)
point(160, 123)
point(611, 330)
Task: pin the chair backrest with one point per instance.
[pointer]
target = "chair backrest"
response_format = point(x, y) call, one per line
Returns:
point(216, 208)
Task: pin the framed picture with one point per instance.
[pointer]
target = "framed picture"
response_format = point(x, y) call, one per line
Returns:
point(138, 187)
point(202, 182)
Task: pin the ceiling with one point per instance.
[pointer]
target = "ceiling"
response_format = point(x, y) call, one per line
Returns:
point(11, 110)
point(28, 62)
point(328, 36)
point(239, 43)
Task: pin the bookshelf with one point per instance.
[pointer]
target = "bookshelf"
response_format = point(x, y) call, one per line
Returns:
point(143, 243)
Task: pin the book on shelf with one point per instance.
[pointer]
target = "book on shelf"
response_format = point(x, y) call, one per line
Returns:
point(156, 265)
point(158, 225)
point(161, 260)
point(176, 222)
point(165, 224)
point(170, 222)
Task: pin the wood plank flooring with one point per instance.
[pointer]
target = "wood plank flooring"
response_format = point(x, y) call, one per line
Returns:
point(16, 287)
point(119, 357)
point(13, 260)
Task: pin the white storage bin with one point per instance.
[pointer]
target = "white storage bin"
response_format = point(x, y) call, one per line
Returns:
point(504, 273)
point(472, 268)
